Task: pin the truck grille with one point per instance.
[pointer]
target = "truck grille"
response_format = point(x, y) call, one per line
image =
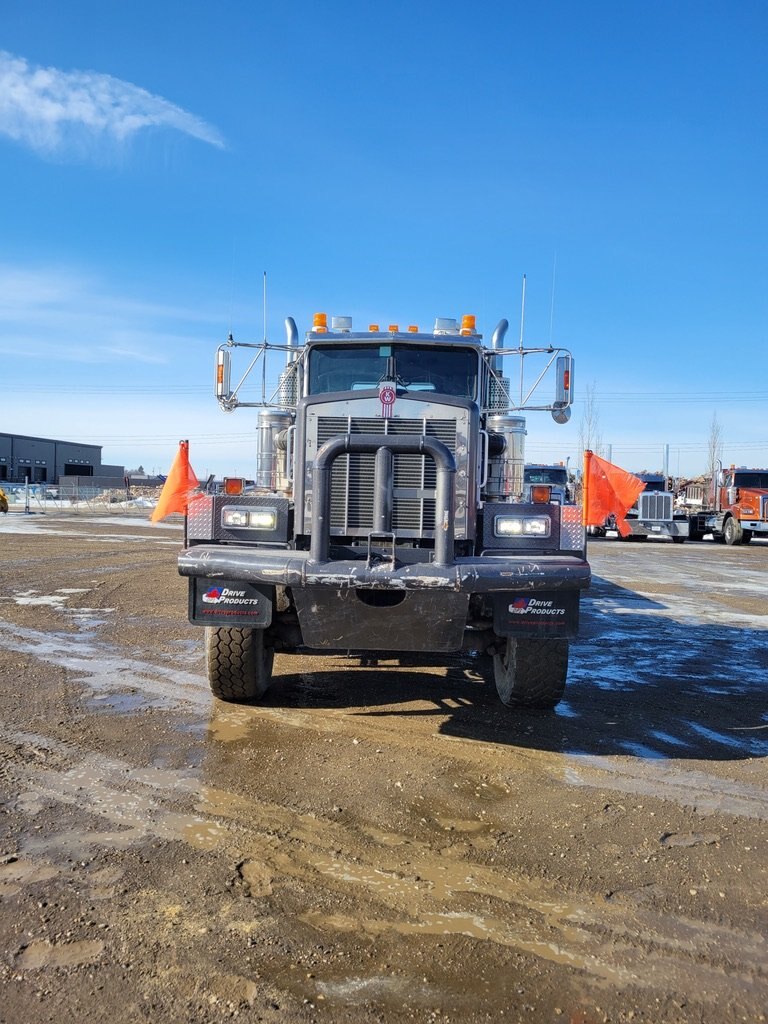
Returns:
point(352, 479)
point(655, 505)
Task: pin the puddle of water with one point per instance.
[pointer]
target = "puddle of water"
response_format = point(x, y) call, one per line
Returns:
point(231, 725)
point(95, 665)
point(34, 599)
point(119, 703)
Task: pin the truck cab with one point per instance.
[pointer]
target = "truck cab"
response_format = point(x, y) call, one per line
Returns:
point(389, 512)
point(654, 514)
point(741, 507)
point(555, 477)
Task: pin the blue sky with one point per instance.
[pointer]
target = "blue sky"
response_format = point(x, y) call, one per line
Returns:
point(394, 163)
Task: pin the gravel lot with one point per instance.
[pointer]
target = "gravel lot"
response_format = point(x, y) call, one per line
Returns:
point(378, 842)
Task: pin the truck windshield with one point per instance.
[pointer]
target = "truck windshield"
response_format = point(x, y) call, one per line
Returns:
point(447, 371)
point(759, 480)
point(546, 475)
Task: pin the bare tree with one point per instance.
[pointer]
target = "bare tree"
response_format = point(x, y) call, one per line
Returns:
point(714, 446)
point(589, 424)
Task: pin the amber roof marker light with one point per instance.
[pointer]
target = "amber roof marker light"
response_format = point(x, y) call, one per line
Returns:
point(320, 323)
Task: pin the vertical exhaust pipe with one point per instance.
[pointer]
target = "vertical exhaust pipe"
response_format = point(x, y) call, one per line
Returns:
point(291, 338)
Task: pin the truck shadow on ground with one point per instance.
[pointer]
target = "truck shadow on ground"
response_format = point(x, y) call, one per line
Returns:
point(640, 683)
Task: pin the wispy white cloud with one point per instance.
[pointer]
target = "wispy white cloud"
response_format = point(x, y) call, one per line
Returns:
point(61, 316)
point(61, 113)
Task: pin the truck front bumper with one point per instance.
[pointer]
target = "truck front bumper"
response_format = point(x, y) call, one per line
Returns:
point(354, 605)
point(297, 570)
point(654, 528)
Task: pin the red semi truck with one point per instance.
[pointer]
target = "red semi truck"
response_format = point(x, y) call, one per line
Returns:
point(740, 507)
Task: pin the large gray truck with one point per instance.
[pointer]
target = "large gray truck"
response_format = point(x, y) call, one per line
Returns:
point(654, 513)
point(387, 513)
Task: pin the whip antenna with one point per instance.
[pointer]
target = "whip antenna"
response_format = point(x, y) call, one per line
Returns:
point(552, 302)
point(522, 330)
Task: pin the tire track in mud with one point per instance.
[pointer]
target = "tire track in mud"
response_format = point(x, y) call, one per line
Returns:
point(407, 888)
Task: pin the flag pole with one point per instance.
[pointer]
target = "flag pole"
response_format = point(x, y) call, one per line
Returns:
point(185, 443)
point(585, 483)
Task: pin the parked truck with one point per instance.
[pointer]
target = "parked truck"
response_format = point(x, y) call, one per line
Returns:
point(654, 514)
point(388, 512)
point(736, 508)
point(555, 477)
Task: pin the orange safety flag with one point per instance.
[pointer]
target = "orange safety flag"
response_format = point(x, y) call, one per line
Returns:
point(608, 490)
point(181, 481)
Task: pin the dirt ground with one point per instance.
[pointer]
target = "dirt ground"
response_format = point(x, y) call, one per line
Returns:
point(378, 842)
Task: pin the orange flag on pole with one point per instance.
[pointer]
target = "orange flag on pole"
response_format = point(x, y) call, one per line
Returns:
point(608, 490)
point(181, 481)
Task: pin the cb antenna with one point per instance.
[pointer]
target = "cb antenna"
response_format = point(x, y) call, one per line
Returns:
point(552, 302)
point(264, 303)
point(522, 331)
point(522, 315)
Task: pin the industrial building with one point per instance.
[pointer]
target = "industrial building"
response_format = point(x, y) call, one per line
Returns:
point(43, 460)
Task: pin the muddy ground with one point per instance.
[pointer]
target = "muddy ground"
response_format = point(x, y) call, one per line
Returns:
point(380, 842)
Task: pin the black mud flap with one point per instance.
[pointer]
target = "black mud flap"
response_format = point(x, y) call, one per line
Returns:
point(375, 620)
point(543, 614)
point(229, 603)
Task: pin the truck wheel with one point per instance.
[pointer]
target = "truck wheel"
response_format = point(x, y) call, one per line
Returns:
point(678, 540)
point(732, 532)
point(531, 673)
point(239, 663)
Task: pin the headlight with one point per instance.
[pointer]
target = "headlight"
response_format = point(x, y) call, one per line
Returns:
point(262, 519)
point(234, 517)
point(521, 526)
point(254, 519)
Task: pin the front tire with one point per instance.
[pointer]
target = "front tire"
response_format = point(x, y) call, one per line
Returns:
point(732, 532)
point(239, 664)
point(531, 673)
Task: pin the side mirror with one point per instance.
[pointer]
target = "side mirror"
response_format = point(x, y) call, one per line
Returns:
point(561, 411)
point(221, 379)
point(564, 367)
point(561, 415)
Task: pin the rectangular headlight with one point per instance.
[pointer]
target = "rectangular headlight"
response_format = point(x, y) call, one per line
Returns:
point(248, 518)
point(508, 526)
point(521, 526)
point(262, 519)
point(234, 517)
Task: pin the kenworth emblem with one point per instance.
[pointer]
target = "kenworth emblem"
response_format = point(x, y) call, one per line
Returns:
point(387, 396)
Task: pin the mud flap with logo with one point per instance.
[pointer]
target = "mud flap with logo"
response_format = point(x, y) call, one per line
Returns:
point(554, 614)
point(229, 603)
